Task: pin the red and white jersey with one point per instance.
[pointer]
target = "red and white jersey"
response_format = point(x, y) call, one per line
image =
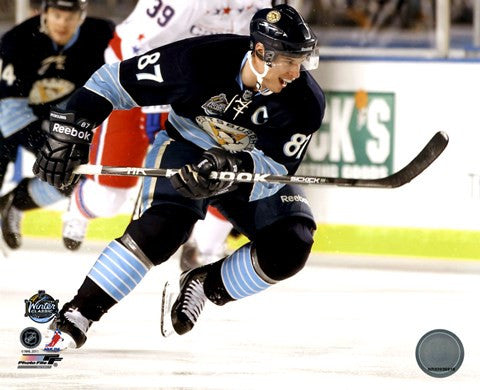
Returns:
point(155, 23)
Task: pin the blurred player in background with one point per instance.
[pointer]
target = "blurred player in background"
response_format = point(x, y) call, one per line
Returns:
point(42, 61)
point(35, 7)
point(124, 137)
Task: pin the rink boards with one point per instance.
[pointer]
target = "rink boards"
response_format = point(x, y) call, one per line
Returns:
point(380, 113)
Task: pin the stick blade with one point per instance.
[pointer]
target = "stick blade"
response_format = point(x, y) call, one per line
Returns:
point(422, 161)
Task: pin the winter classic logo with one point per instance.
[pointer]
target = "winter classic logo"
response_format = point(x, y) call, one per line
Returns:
point(216, 105)
point(356, 137)
point(41, 307)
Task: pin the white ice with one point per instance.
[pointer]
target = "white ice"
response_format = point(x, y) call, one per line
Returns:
point(341, 323)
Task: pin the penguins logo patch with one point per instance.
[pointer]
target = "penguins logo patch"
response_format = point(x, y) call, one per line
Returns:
point(273, 16)
point(48, 90)
point(227, 135)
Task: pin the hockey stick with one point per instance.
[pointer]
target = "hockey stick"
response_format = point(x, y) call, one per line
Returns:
point(428, 155)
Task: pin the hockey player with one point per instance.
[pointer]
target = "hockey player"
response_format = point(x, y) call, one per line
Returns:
point(121, 139)
point(233, 109)
point(42, 61)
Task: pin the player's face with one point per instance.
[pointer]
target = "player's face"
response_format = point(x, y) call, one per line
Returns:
point(62, 24)
point(284, 70)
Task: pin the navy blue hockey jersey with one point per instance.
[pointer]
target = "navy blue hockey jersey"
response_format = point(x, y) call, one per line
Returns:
point(200, 78)
point(35, 72)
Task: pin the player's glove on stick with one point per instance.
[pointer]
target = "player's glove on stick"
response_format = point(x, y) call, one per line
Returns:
point(66, 147)
point(192, 180)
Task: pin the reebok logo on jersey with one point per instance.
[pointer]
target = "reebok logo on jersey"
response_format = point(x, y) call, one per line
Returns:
point(293, 198)
point(72, 131)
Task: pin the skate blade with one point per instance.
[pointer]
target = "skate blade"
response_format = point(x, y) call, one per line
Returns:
point(168, 297)
point(4, 252)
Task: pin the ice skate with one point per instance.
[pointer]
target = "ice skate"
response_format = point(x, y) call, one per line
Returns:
point(74, 230)
point(188, 305)
point(11, 220)
point(68, 329)
point(168, 296)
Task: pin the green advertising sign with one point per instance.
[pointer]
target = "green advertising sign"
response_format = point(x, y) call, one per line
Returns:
point(356, 137)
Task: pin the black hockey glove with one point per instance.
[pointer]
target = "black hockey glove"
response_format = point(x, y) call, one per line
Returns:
point(66, 147)
point(192, 180)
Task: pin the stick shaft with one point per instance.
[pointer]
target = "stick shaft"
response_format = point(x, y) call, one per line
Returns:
point(427, 156)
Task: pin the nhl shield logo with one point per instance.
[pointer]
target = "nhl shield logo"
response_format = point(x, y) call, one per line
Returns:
point(30, 337)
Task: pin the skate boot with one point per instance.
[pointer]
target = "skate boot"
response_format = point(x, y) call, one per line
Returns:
point(190, 301)
point(71, 326)
point(73, 230)
point(11, 220)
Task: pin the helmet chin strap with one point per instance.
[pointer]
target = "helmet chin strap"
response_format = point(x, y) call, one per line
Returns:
point(259, 76)
point(43, 24)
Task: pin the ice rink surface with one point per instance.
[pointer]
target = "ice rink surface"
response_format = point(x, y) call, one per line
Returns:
point(342, 323)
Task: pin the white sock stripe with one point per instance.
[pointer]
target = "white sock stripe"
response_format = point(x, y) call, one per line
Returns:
point(111, 277)
point(256, 282)
point(241, 270)
point(229, 280)
point(128, 257)
point(117, 271)
point(124, 265)
point(239, 276)
point(101, 282)
point(131, 258)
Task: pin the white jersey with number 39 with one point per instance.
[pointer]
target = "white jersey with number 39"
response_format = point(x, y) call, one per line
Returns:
point(155, 23)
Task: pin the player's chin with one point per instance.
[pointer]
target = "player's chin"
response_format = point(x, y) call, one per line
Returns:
point(277, 86)
point(61, 38)
point(285, 81)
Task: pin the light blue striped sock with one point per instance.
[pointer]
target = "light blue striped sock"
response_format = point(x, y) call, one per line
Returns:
point(43, 194)
point(239, 275)
point(118, 271)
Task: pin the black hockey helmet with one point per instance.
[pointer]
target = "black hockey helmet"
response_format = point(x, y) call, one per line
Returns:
point(282, 30)
point(67, 5)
